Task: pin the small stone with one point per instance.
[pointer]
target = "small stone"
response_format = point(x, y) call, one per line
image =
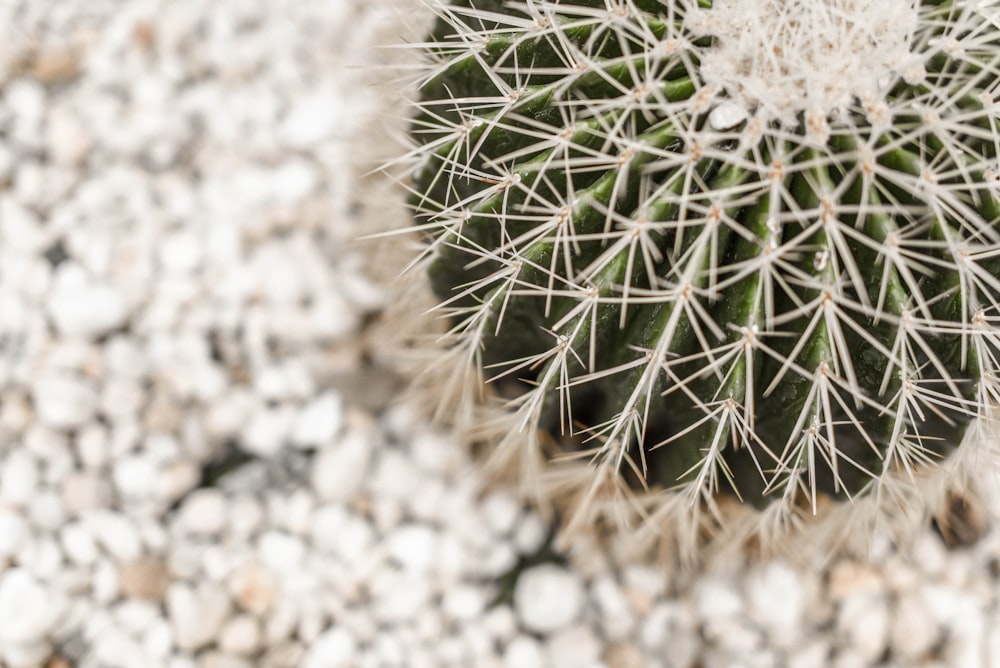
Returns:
point(79, 544)
point(268, 431)
point(776, 602)
point(135, 477)
point(463, 603)
point(240, 635)
point(204, 512)
point(863, 623)
point(63, 401)
point(524, 652)
point(530, 534)
point(548, 598)
point(319, 422)
point(84, 491)
point(115, 649)
point(253, 587)
point(501, 511)
point(117, 533)
point(715, 598)
point(83, 307)
point(146, 578)
point(281, 552)
point(624, 655)
point(67, 140)
point(412, 546)
point(28, 612)
point(220, 660)
point(246, 516)
point(13, 533)
point(573, 646)
point(176, 479)
point(335, 648)
point(311, 120)
point(849, 578)
point(814, 654)
point(196, 616)
point(18, 478)
point(55, 65)
point(339, 470)
point(399, 603)
point(616, 614)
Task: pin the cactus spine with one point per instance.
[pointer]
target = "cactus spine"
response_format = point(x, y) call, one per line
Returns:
point(741, 246)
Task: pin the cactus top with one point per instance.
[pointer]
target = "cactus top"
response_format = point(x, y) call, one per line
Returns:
point(730, 245)
point(816, 56)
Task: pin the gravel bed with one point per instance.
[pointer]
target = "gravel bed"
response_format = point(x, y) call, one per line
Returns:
point(200, 463)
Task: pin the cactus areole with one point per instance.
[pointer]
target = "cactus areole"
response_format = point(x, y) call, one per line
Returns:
point(749, 246)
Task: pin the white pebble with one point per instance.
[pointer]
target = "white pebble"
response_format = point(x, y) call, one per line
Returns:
point(196, 616)
point(715, 598)
point(573, 646)
point(117, 534)
point(400, 602)
point(548, 598)
point(240, 635)
point(13, 533)
point(28, 612)
point(281, 552)
point(311, 119)
point(63, 401)
point(335, 648)
point(776, 602)
point(863, 623)
point(267, 431)
point(79, 543)
point(339, 470)
point(135, 477)
point(524, 652)
point(82, 307)
point(530, 535)
point(616, 613)
point(204, 512)
point(412, 546)
point(18, 478)
point(319, 421)
point(501, 511)
point(117, 650)
point(463, 603)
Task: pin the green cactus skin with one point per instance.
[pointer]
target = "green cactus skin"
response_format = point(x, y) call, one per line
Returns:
point(698, 286)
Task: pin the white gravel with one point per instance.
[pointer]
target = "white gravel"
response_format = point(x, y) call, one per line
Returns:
point(199, 465)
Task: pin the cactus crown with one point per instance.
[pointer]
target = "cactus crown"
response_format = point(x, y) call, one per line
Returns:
point(748, 245)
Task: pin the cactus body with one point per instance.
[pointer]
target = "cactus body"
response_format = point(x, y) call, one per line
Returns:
point(751, 247)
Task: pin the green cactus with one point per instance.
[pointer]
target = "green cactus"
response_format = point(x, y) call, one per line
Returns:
point(748, 246)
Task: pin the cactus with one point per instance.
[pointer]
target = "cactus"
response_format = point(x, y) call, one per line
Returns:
point(742, 247)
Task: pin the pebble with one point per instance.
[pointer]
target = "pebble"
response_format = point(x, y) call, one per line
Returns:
point(524, 652)
point(339, 471)
point(412, 546)
point(548, 598)
point(84, 308)
point(463, 603)
point(144, 578)
point(319, 422)
point(204, 512)
point(63, 401)
point(240, 635)
point(335, 648)
point(196, 615)
point(573, 646)
point(28, 612)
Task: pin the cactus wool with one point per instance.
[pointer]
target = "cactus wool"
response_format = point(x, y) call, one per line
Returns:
point(741, 248)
